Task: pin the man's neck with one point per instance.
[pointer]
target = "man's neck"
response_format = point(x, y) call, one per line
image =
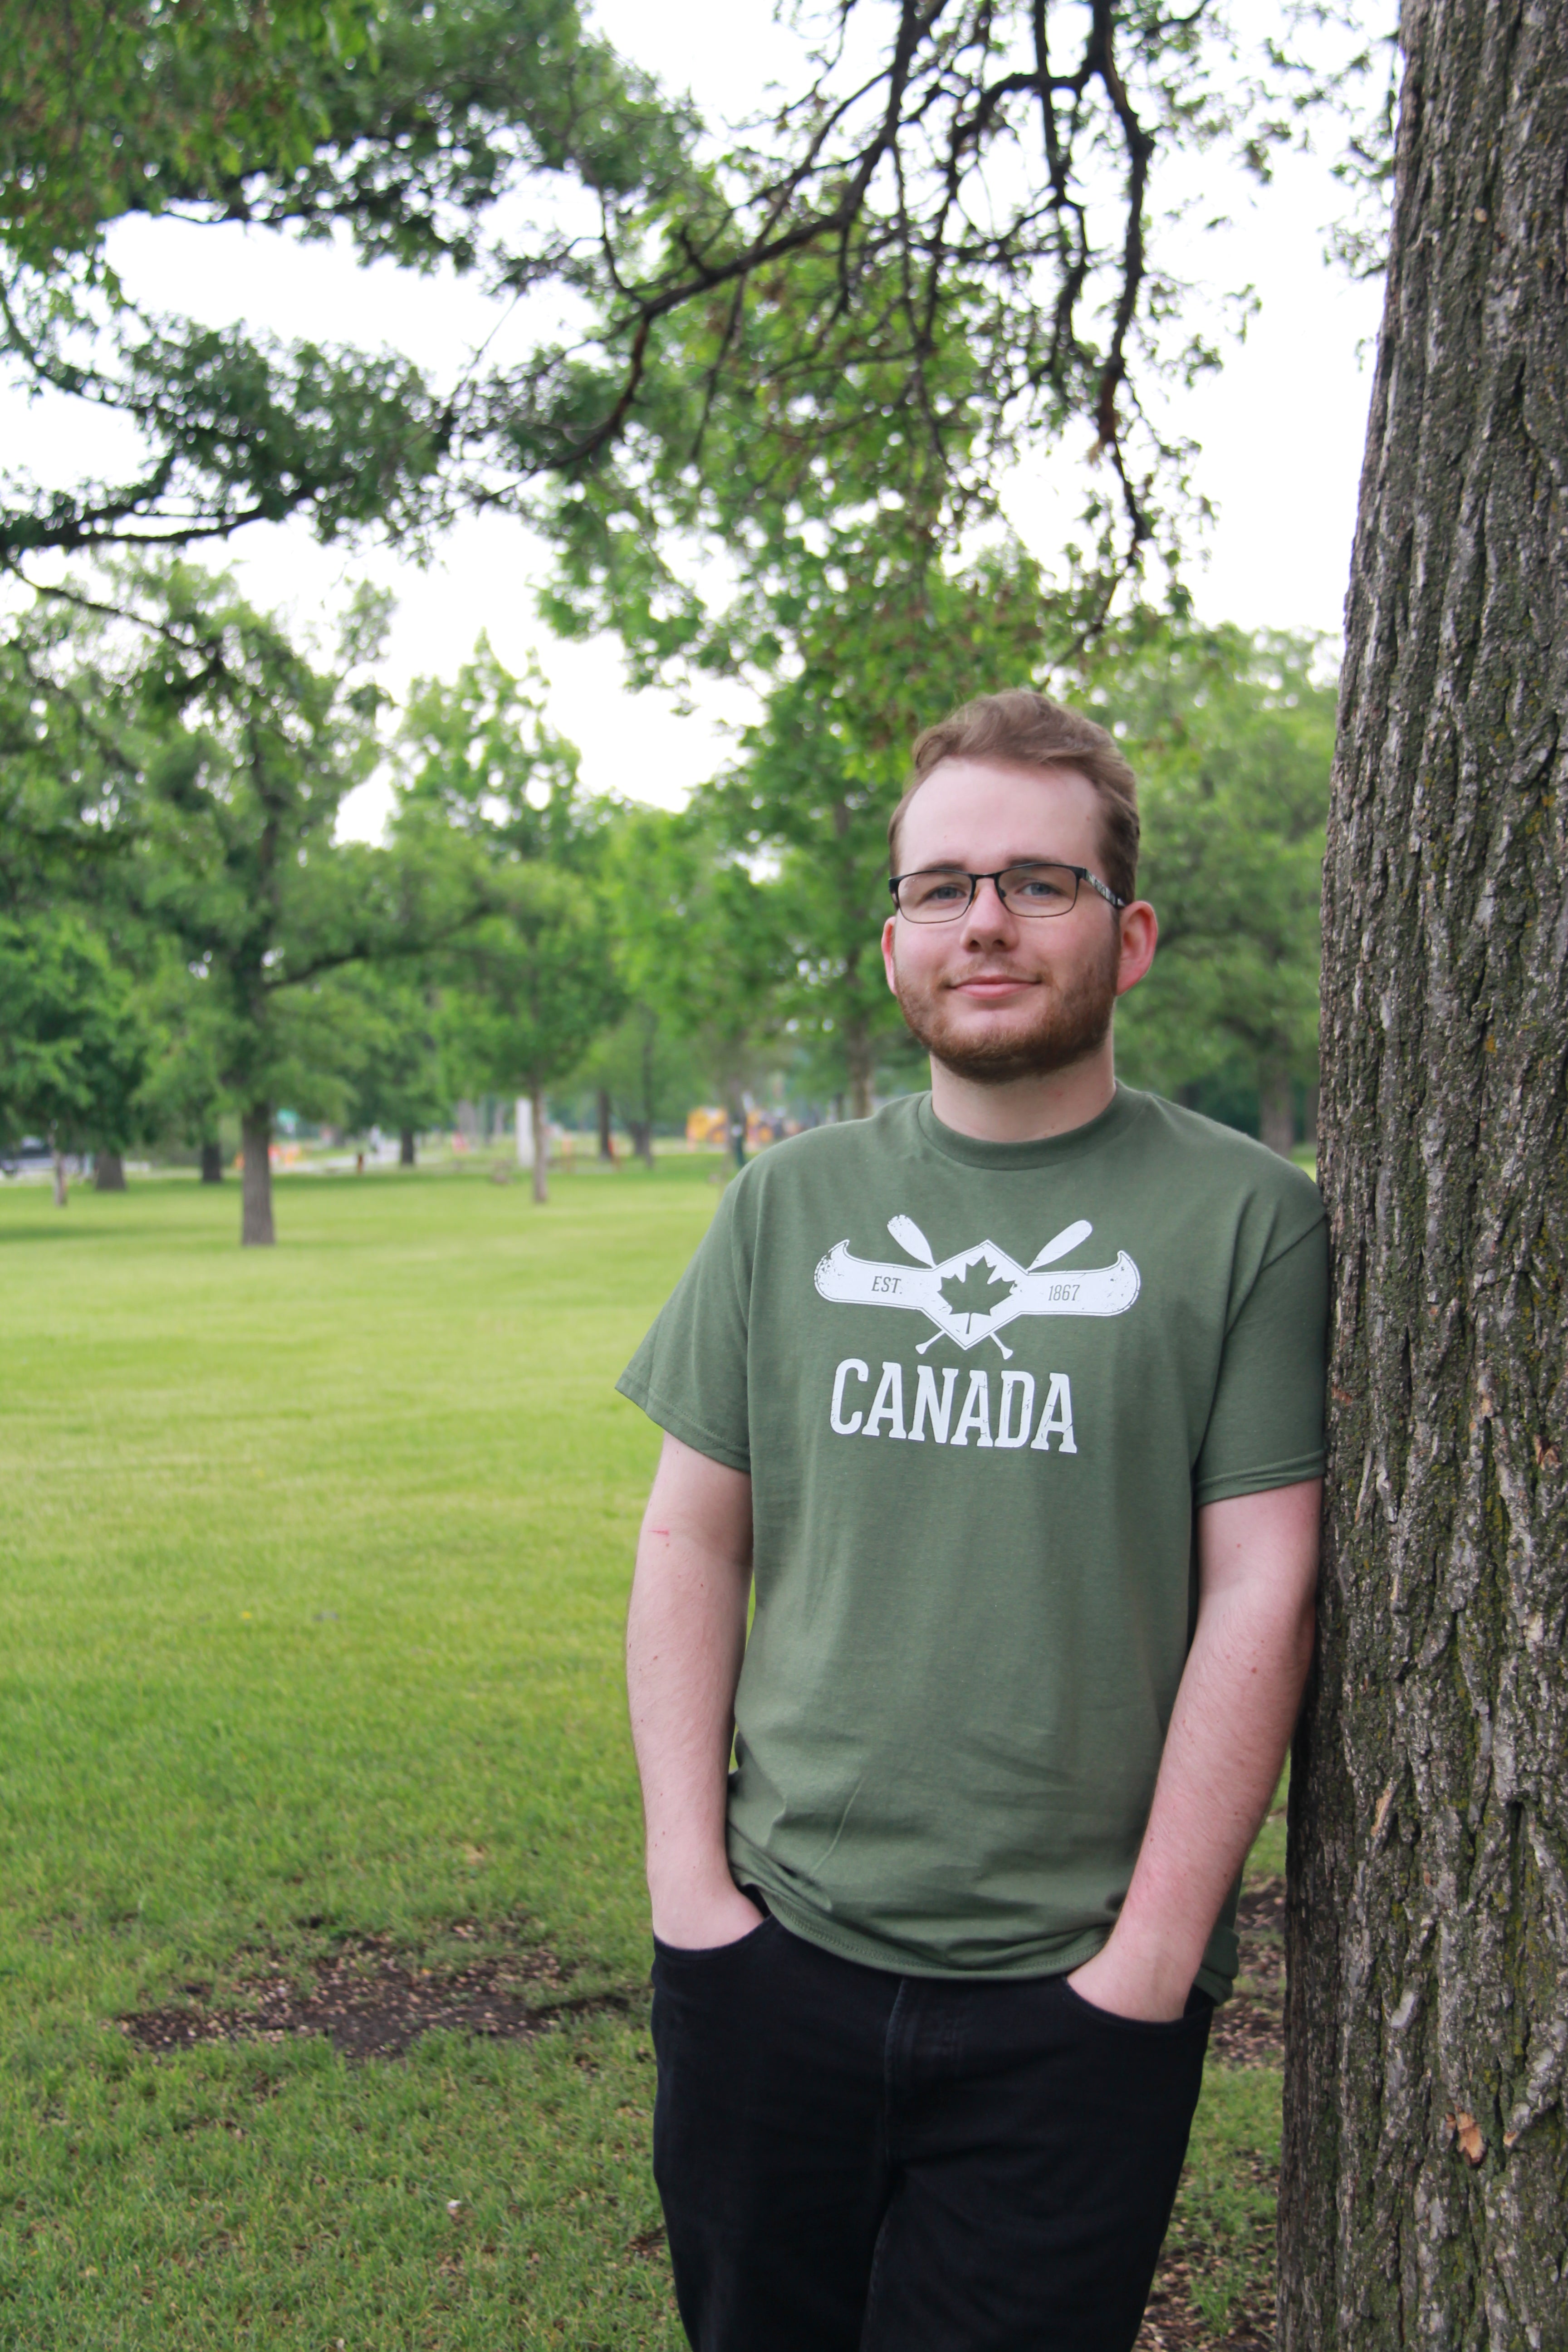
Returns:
point(1028, 1109)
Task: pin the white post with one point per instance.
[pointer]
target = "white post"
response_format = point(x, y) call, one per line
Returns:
point(524, 1132)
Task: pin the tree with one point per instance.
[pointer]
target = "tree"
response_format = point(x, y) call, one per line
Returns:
point(234, 753)
point(479, 758)
point(700, 944)
point(994, 167)
point(1232, 737)
point(72, 1049)
point(391, 1016)
point(1426, 2173)
point(645, 1072)
point(412, 130)
point(535, 985)
point(182, 1097)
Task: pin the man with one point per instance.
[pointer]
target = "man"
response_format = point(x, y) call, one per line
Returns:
point(1008, 1399)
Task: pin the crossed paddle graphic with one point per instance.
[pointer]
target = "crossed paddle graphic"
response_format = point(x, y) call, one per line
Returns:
point(851, 1281)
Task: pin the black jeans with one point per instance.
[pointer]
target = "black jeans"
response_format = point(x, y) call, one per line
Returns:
point(852, 2161)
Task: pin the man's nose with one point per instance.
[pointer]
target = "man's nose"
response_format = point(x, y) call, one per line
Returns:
point(988, 910)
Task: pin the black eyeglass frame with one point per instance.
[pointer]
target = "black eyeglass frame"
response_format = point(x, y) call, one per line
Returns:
point(1021, 865)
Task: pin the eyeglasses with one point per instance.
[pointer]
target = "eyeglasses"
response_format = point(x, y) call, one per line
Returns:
point(941, 894)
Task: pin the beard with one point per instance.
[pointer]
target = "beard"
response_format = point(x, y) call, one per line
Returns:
point(1069, 1024)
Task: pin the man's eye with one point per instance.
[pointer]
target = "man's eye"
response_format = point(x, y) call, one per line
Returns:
point(938, 894)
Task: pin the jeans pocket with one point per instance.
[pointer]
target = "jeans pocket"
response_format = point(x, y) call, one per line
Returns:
point(679, 1957)
point(1196, 2014)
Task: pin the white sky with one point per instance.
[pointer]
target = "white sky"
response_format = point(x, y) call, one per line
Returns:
point(1281, 427)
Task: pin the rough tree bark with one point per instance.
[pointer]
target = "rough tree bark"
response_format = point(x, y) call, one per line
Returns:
point(256, 1186)
point(1426, 2177)
point(212, 1163)
point(108, 1171)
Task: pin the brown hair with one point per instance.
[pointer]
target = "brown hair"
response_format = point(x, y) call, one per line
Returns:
point(1028, 730)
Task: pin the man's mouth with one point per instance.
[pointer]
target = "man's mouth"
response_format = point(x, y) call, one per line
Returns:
point(982, 985)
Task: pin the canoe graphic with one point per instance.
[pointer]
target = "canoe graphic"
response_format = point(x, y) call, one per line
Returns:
point(1039, 1289)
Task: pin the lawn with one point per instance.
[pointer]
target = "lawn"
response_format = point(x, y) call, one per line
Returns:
point(314, 1567)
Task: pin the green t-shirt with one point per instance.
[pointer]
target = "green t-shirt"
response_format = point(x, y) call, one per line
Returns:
point(980, 1390)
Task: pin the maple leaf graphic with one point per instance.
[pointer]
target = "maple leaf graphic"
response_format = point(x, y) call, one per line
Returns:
point(974, 1291)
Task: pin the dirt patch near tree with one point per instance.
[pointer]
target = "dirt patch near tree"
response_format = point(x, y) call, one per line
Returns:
point(1172, 2322)
point(370, 1999)
point(1248, 2029)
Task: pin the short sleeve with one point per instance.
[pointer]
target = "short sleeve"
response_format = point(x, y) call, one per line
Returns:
point(1266, 1426)
point(689, 1374)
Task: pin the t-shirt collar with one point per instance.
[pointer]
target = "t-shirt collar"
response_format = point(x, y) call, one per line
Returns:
point(1044, 1151)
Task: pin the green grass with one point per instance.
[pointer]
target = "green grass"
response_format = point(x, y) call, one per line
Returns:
point(313, 1568)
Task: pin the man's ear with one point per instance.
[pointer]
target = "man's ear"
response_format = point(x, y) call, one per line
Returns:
point(887, 954)
point(1140, 929)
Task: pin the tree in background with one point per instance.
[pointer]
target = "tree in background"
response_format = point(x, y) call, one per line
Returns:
point(235, 753)
point(1231, 739)
point(701, 947)
point(74, 1039)
point(73, 1049)
point(647, 1071)
point(533, 984)
point(391, 1016)
point(182, 1097)
point(248, 752)
point(479, 758)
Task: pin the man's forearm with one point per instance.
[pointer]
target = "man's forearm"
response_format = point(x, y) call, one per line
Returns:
point(1223, 1755)
point(686, 1634)
point(1229, 1730)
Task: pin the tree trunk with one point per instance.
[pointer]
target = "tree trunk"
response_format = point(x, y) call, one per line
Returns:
point(607, 1127)
point(861, 1063)
point(212, 1163)
point(108, 1173)
point(408, 1148)
point(255, 1188)
point(642, 1130)
point(1277, 1109)
point(735, 1111)
point(1426, 2174)
point(61, 1195)
point(541, 1147)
